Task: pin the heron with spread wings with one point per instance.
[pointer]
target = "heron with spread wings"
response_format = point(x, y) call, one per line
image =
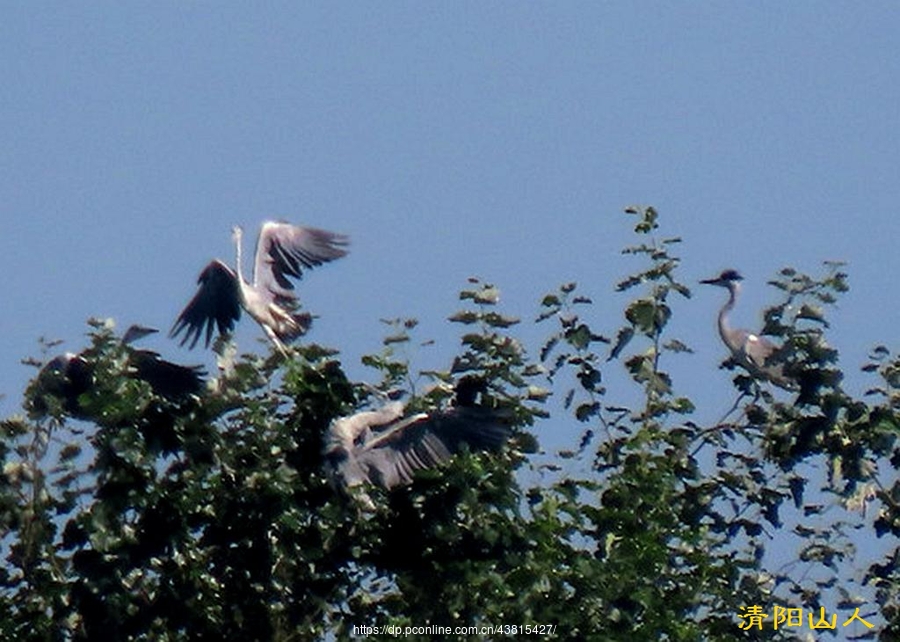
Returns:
point(384, 448)
point(283, 251)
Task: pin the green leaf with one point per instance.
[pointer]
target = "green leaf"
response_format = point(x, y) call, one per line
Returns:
point(626, 334)
point(579, 337)
point(585, 411)
point(464, 316)
point(495, 320)
point(647, 315)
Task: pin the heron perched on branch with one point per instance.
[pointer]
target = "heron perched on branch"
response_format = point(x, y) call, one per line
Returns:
point(385, 448)
point(70, 375)
point(749, 350)
point(282, 250)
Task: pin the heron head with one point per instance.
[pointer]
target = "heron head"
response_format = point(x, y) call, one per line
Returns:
point(136, 332)
point(725, 279)
point(236, 232)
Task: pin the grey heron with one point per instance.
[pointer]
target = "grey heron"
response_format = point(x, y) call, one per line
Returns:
point(749, 350)
point(384, 448)
point(282, 250)
point(70, 375)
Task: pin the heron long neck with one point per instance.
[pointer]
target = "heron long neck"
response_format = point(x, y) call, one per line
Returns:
point(724, 326)
point(238, 268)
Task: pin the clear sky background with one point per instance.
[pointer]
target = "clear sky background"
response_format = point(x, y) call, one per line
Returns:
point(500, 140)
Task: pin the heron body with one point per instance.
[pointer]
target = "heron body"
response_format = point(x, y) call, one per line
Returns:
point(283, 251)
point(751, 351)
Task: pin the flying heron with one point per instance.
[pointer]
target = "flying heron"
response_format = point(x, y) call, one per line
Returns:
point(749, 350)
point(283, 250)
point(70, 375)
point(384, 448)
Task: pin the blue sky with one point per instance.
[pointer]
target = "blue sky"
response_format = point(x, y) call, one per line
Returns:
point(448, 140)
point(499, 140)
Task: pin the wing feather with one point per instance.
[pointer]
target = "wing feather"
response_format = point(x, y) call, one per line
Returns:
point(429, 441)
point(758, 349)
point(284, 250)
point(170, 380)
point(758, 352)
point(217, 304)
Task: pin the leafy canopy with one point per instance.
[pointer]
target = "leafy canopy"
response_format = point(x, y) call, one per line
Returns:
point(210, 517)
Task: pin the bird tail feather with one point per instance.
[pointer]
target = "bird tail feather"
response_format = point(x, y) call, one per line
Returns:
point(297, 326)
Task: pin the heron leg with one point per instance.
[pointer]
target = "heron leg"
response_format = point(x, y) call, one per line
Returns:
point(275, 340)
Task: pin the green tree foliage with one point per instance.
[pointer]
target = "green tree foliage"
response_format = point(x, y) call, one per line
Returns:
point(211, 518)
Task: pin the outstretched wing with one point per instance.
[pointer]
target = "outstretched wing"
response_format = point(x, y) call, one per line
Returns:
point(216, 304)
point(284, 250)
point(170, 380)
point(167, 379)
point(345, 431)
point(392, 458)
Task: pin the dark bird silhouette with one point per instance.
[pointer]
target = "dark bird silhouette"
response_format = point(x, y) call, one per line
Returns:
point(70, 375)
